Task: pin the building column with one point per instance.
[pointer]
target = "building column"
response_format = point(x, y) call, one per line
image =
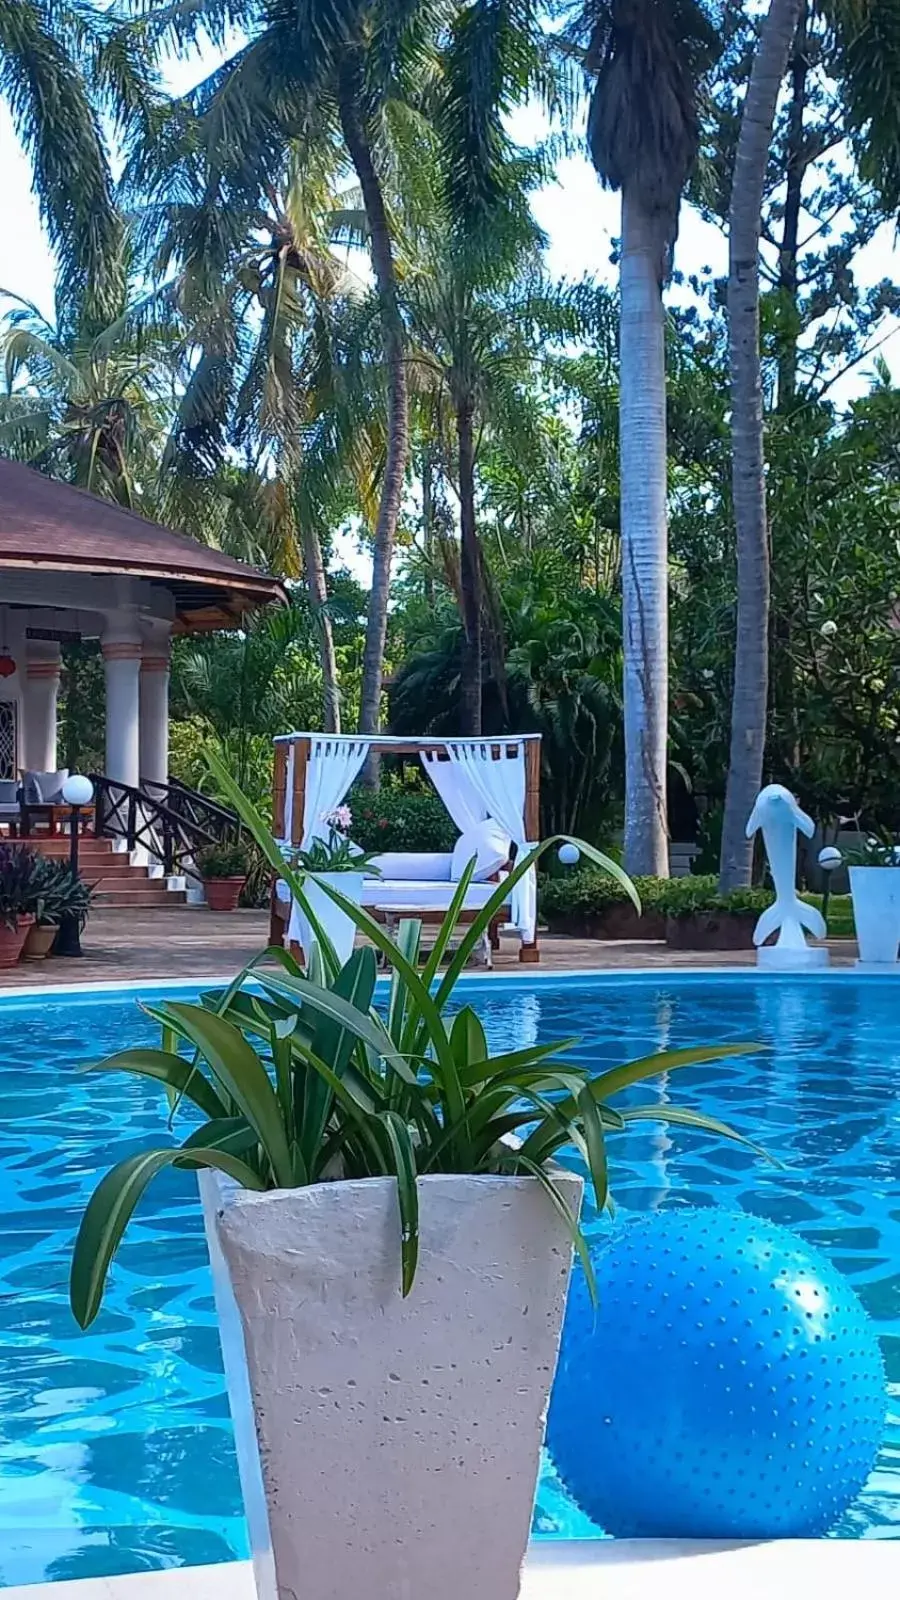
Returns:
point(154, 737)
point(42, 668)
point(122, 660)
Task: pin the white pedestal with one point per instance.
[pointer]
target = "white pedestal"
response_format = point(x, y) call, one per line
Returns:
point(774, 958)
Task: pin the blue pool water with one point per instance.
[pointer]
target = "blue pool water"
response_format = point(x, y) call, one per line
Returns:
point(115, 1446)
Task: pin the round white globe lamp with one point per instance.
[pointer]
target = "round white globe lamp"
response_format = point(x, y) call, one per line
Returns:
point(829, 860)
point(77, 790)
point(569, 854)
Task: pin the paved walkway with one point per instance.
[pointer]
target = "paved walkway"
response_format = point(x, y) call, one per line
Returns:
point(192, 942)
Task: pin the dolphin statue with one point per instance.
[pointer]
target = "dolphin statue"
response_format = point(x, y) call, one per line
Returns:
point(780, 817)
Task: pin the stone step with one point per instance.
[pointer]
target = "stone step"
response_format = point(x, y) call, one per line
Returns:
point(134, 895)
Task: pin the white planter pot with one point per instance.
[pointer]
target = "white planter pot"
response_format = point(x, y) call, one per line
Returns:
point(337, 924)
point(876, 912)
point(399, 1440)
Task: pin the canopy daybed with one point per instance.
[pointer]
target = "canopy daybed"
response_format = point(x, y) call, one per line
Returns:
point(490, 787)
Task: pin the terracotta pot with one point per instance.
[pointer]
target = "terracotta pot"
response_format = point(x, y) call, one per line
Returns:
point(39, 941)
point(223, 894)
point(712, 930)
point(12, 940)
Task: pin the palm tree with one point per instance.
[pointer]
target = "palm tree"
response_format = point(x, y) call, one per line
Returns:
point(59, 65)
point(279, 365)
point(323, 74)
point(866, 57)
point(643, 136)
point(92, 409)
point(751, 676)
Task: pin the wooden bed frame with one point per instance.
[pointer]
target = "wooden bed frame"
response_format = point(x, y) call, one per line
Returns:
point(301, 742)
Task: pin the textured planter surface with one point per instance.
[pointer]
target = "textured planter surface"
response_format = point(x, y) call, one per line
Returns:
point(712, 930)
point(615, 922)
point(39, 941)
point(223, 894)
point(12, 941)
point(339, 927)
point(399, 1439)
point(876, 912)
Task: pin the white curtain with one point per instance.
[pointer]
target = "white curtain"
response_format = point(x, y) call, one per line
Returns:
point(459, 794)
point(331, 769)
point(499, 784)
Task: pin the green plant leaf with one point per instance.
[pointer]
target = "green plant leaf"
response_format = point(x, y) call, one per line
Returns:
point(685, 1118)
point(234, 1135)
point(491, 1067)
point(175, 1071)
point(407, 1194)
point(109, 1211)
point(238, 1069)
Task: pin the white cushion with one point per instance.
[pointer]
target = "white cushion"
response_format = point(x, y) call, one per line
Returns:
point(422, 896)
point(489, 846)
point(414, 866)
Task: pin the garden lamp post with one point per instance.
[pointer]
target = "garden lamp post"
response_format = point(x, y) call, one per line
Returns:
point(829, 859)
point(77, 792)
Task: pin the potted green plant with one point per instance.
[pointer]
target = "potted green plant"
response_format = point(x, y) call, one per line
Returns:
point(224, 868)
point(17, 868)
point(57, 892)
point(391, 1243)
point(332, 859)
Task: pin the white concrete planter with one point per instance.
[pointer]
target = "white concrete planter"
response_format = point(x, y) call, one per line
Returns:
point(337, 924)
point(396, 1444)
point(876, 912)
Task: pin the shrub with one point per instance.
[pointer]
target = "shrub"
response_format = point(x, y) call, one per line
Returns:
point(230, 859)
point(399, 817)
point(587, 892)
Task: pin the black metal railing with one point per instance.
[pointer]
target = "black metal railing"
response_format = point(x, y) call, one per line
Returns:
point(170, 821)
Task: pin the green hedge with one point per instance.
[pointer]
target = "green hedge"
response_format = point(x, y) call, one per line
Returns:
point(399, 817)
point(589, 892)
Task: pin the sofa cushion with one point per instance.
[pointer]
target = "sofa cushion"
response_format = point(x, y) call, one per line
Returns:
point(487, 844)
point(414, 866)
point(9, 792)
point(44, 787)
point(421, 896)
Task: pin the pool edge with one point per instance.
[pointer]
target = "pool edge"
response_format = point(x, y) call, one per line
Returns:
point(573, 1570)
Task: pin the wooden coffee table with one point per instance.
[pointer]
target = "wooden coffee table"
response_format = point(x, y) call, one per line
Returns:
point(432, 917)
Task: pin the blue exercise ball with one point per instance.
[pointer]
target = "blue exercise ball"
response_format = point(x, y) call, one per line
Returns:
point(728, 1386)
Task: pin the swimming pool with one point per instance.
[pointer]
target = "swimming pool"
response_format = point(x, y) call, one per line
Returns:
point(115, 1446)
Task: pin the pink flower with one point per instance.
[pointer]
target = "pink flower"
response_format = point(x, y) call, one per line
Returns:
point(341, 819)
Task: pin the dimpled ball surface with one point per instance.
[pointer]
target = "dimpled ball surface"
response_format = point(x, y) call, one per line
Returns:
point(729, 1386)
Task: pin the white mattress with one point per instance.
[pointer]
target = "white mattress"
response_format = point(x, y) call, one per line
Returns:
point(422, 896)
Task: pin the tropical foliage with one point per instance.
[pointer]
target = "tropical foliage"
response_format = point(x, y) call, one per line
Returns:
point(315, 313)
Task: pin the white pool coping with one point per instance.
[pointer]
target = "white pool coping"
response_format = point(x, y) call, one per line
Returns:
point(787, 1569)
point(527, 978)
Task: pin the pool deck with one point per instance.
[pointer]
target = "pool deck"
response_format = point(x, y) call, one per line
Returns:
point(629, 1570)
point(193, 942)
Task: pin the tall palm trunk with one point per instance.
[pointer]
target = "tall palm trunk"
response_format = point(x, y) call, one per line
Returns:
point(359, 147)
point(751, 664)
point(642, 446)
point(318, 599)
point(469, 571)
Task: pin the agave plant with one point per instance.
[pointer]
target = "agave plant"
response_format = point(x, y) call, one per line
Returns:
point(300, 1079)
